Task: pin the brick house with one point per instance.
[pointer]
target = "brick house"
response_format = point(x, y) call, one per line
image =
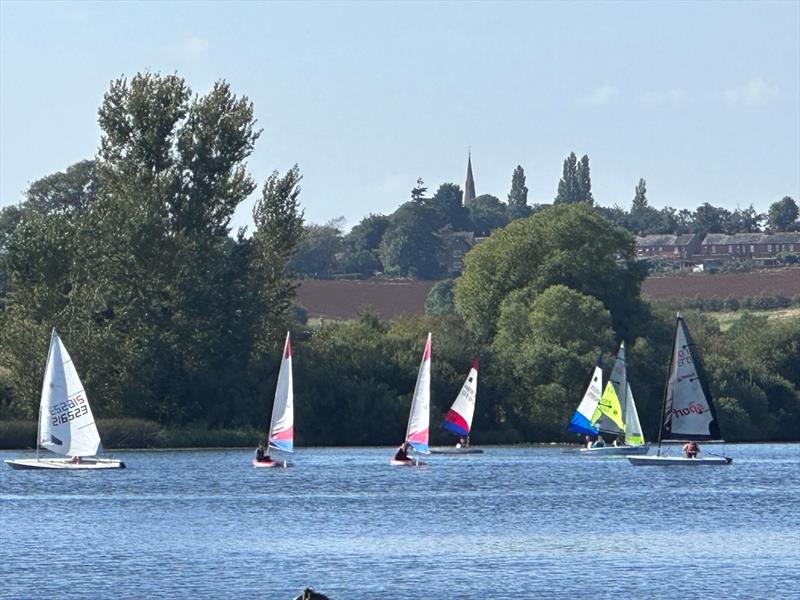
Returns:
point(758, 247)
point(668, 246)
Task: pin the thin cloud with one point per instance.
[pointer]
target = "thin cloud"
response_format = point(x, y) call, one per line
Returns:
point(601, 95)
point(671, 97)
point(755, 92)
point(192, 46)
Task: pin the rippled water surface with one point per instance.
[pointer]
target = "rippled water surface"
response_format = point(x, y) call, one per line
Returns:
point(511, 523)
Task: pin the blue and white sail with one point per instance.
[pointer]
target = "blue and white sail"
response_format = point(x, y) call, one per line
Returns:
point(581, 421)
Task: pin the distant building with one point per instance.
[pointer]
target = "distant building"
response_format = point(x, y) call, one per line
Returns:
point(761, 248)
point(669, 246)
point(469, 184)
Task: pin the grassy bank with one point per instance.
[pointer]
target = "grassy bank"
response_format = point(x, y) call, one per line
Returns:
point(138, 433)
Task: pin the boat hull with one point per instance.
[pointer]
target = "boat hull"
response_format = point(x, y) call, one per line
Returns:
point(678, 461)
point(412, 462)
point(271, 464)
point(456, 451)
point(65, 464)
point(615, 450)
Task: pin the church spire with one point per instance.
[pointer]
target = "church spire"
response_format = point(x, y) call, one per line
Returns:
point(469, 185)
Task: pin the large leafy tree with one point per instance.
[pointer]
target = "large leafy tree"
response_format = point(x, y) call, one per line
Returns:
point(447, 205)
point(782, 215)
point(568, 245)
point(487, 214)
point(409, 246)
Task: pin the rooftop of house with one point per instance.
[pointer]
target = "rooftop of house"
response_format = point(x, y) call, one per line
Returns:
point(721, 239)
point(649, 241)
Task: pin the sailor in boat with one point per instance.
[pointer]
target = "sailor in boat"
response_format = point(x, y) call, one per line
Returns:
point(618, 442)
point(402, 452)
point(588, 440)
point(261, 455)
point(462, 443)
point(691, 449)
point(76, 460)
point(599, 442)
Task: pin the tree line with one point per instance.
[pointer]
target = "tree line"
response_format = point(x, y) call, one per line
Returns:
point(418, 239)
point(171, 317)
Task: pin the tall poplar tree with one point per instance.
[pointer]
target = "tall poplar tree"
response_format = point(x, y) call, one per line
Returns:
point(518, 196)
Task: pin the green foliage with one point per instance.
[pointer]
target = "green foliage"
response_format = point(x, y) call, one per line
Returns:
point(783, 215)
point(567, 245)
point(487, 214)
point(518, 196)
point(440, 298)
point(576, 182)
point(448, 207)
point(409, 246)
point(318, 251)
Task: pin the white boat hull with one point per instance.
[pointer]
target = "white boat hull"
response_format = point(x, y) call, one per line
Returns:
point(456, 451)
point(65, 464)
point(412, 462)
point(678, 461)
point(271, 464)
point(615, 450)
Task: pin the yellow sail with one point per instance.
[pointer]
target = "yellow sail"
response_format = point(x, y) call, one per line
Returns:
point(608, 414)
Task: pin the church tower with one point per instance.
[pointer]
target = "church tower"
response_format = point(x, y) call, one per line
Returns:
point(469, 185)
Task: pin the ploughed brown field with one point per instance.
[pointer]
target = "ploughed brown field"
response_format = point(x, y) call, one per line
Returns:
point(345, 299)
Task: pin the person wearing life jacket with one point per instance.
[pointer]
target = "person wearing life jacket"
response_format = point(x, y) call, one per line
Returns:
point(599, 442)
point(462, 443)
point(402, 452)
point(691, 450)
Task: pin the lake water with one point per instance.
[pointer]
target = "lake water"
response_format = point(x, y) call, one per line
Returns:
point(510, 523)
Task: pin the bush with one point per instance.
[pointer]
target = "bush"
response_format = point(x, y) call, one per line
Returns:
point(17, 434)
point(130, 433)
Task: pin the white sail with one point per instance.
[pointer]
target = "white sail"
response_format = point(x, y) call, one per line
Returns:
point(458, 420)
point(687, 411)
point(281, 429)
point(633, 429)
point(419, 415)
point(66, 423)
point(582, 419)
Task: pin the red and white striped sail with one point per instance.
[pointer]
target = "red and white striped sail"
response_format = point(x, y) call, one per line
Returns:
point(281, 429)
point(419, 417)
point(459, 418)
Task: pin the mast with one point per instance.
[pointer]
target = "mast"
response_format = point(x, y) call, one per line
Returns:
point(44, 382)
point(670, 375)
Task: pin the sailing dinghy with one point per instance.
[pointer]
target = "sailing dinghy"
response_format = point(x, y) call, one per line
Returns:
point(66, 423)
point(419, 415)
point(458, 419)
point(688, 411)
point(616, 414)
point(281, 428)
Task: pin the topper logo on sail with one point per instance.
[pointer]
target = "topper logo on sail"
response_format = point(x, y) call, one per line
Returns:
point(693, 408)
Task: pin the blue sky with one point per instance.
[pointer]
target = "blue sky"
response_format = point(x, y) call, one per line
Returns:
point(700, 99)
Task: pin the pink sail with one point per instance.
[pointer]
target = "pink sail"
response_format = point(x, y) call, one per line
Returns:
point(458, 419)
point(281, 430)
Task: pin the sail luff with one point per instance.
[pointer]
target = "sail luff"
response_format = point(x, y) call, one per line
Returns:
point(668, 385)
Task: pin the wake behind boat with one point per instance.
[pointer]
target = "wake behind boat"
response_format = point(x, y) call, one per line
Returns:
point(458, 419)
point(419, 415)
point(281, 428)
point(66, 423)
point(688, 413)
